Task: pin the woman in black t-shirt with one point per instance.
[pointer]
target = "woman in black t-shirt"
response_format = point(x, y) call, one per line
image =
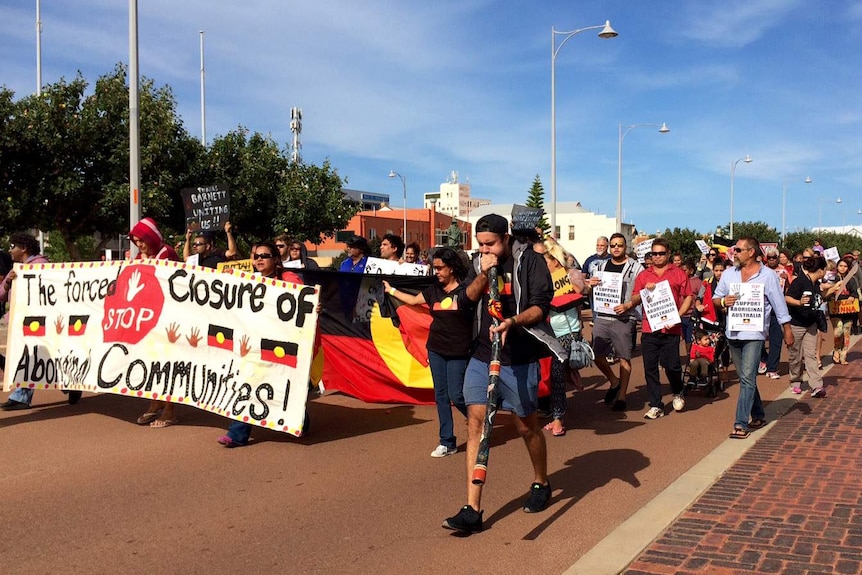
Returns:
point(803, 302)
point(450, 338)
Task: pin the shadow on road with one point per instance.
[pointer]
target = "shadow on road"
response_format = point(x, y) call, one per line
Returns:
point(579, 477)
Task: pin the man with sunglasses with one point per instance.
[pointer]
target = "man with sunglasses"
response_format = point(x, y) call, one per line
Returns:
point(662, 346)
point(745, 346)
point(613, 329)
point(203, 246)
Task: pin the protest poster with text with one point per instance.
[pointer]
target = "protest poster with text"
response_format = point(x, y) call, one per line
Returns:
point(206, 207)
point(659, 306)
point(747, 313)
point(608, 294)
point(234, 344)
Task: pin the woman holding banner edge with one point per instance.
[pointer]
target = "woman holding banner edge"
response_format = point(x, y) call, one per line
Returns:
point(450, 339)
point(267, 262)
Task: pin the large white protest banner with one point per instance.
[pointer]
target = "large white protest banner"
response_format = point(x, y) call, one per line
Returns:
point(234, 344)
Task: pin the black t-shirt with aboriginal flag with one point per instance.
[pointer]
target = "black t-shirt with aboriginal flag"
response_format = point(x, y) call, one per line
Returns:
point(451, 332)
point(519, 346)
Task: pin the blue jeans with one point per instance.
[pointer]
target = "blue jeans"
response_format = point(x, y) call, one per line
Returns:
point(239, 432)
point(448, 375)
point(746, 355)
point(22, 395)
point(776, 340)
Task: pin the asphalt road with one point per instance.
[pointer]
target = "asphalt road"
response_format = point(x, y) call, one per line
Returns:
point(86, 490)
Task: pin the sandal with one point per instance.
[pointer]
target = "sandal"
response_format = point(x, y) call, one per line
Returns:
point(148, 417)
point(739, 433)
point(560, 432)
point(159, 423)
point(756, 423)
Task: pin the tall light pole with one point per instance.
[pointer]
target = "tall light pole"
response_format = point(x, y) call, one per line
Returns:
point(606, 32)
point(38, 48)
point(747, 159)
point(134, 124)
point(394, 174)
point(807, 180)
point(662, 129)
point(203, 95)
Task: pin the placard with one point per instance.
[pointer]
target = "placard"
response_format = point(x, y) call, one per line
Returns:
point(748, 311)
point(206, 207)
point(608, 294)
point(659, 306)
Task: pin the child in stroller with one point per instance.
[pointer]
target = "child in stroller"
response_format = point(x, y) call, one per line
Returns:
point(708, 352)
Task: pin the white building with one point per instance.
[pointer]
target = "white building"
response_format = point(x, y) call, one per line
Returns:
point(453, 199)
point(577, 227)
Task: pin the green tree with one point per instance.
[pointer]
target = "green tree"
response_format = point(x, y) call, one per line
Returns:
point(682, 240)
point(536, 199)
point(311, 203)
point(760, 230)
point(68, 164)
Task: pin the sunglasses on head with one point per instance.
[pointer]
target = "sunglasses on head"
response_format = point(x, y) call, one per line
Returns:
point(262, 256)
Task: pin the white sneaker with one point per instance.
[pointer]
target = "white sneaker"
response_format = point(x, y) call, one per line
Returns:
point(654, 413)
point(678, 403)
point(443, 451)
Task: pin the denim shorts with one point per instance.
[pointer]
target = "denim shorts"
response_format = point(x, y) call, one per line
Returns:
point(518, 386)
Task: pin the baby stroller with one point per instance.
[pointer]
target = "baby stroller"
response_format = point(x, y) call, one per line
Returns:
point(712, 382)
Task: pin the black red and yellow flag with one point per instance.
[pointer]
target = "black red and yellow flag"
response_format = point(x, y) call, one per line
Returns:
point(34, 325)
point(220, 336)
point(282, 352)
point(77, 324)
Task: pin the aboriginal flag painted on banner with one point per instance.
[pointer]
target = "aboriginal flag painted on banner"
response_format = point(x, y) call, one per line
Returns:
point(77, 324)
point(220, 336)
point(34, 325)
point(282, 352)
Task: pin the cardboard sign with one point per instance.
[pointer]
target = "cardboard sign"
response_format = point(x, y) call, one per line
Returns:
point(206, 207)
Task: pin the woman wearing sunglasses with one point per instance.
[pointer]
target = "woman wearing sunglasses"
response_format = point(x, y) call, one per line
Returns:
point(267, 262)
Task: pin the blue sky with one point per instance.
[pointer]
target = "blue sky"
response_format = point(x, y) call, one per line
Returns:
point(425, 88)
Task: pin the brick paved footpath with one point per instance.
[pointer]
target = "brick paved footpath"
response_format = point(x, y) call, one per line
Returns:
point(792, 504)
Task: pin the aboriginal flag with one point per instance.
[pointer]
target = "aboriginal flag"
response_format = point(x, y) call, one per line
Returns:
point(220, 336)
point(77, 324)
point(282, 352)
point(34, 325)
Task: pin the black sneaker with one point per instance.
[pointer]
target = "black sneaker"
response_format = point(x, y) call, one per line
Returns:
point(611, 394)
point(75, 396)
point(538, 499)
point(619, 405)
point(468, 520)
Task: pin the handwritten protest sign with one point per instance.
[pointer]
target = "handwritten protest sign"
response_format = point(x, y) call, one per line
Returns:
point(831, 254)
point(233, 344)
point(206, 207)
point(659, 306)
point(608, 294)
point(643, 248)
point(747, 313)
point(238, 265)
point(702, 246)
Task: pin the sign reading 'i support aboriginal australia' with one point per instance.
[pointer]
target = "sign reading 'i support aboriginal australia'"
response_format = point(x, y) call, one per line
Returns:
point(228, 343)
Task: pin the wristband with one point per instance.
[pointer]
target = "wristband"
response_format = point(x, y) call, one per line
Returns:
point(514, 321)
point(723, 304)
point(392, 291)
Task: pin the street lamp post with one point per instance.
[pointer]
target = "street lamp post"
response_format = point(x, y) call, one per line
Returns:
point(394, 174)
point(747, 159)
point(662, 129)
point(606, 32)
point(807, 180)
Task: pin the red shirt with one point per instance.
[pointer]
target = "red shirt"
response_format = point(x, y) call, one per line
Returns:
point(680, 287)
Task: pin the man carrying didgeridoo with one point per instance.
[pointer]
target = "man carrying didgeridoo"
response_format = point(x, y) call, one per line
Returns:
point(524, 302)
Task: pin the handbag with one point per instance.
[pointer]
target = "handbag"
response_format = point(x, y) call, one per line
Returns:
point(847, 306)
point(581, 354)
point(822, 324)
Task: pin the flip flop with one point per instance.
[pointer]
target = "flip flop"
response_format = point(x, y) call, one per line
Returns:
point(149, 417)
point(559, 433)
point(159, 423)
point(740, 434)
point(756, 423)
point(549, 426)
